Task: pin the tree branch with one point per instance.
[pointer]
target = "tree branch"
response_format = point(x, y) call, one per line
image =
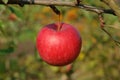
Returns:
point(102, 24)
point(113, 6)
point(60, 3)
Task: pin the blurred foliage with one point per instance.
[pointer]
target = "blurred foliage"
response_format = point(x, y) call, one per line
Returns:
point(19, 60)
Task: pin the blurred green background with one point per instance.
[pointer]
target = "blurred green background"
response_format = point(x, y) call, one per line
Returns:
point(99, 58)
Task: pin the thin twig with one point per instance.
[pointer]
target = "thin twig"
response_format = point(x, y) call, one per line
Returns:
point(116, 42)
point(113, 6)
point(102, 23)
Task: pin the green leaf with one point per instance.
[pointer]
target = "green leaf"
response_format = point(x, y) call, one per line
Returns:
point(6, 51)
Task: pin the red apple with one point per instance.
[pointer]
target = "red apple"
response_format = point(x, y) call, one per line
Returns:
point(56, 46)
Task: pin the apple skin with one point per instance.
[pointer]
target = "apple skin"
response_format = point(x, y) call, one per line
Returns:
point(58, 47)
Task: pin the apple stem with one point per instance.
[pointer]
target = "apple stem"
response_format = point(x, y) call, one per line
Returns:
point(59, 22)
